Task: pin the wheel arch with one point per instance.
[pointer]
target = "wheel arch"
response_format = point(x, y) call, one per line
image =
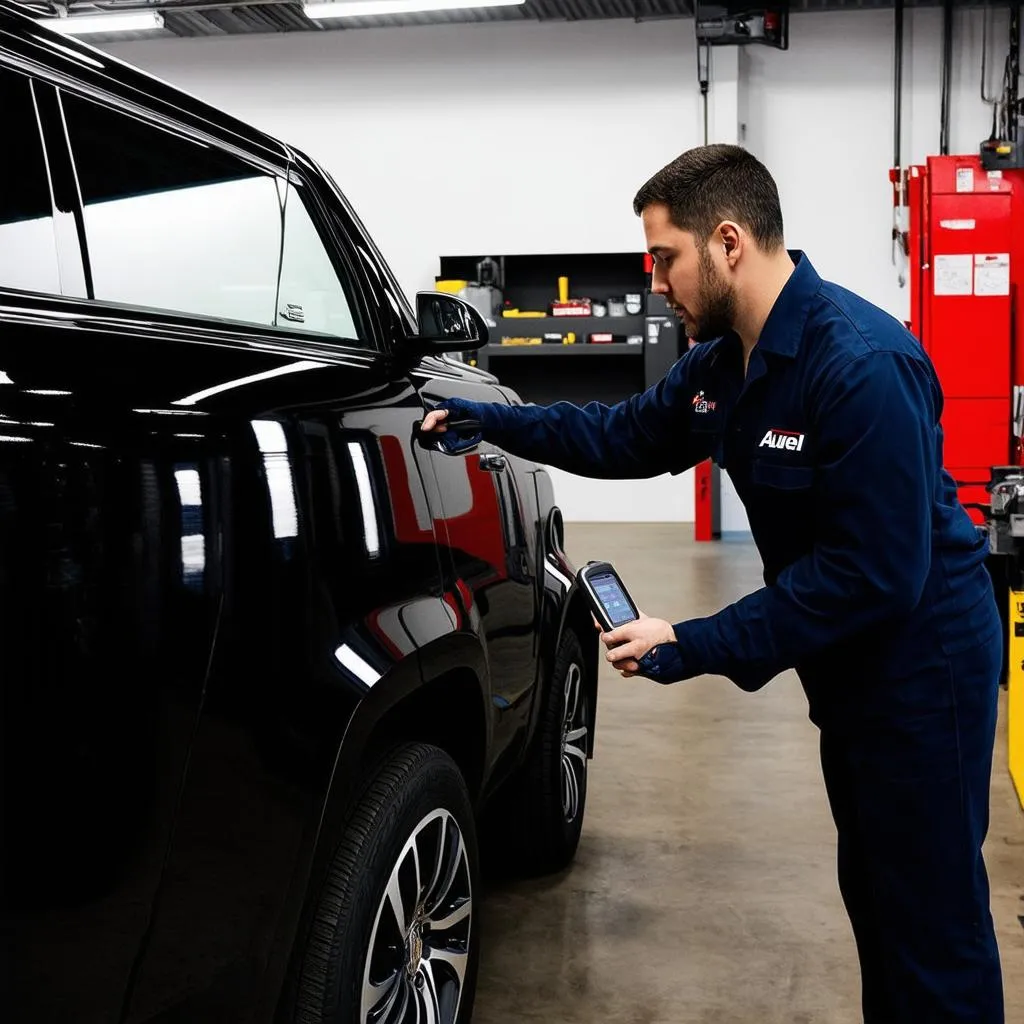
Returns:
point(564, 607)
point(446, 709)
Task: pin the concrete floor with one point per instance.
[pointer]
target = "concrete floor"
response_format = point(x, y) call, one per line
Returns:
point(704, 889)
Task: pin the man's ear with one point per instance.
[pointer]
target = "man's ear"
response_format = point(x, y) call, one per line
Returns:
point(731, 236)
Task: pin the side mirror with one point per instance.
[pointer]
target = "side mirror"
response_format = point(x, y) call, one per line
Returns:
point(447, 323)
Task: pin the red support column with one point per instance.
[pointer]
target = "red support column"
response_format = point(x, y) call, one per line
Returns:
point(707, 503)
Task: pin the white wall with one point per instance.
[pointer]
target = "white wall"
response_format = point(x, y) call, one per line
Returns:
point(534, 137)
point(821, 117)
point(464, 138)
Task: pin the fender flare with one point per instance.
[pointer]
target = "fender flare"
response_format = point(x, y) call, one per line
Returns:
point(563, 607)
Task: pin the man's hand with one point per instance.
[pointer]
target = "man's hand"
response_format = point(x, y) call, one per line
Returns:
point(433, 422)
point(632, 641)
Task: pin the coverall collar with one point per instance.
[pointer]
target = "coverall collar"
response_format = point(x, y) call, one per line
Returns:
point(784, 328)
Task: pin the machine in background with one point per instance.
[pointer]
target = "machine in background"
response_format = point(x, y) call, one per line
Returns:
point(965, 263)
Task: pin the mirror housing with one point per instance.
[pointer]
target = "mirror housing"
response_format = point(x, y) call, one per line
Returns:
point(447, 323)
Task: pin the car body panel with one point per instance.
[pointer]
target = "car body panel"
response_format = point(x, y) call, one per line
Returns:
point(232, 574)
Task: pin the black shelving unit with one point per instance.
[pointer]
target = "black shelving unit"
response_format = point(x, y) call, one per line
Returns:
point(583, 371)
point(576, 351)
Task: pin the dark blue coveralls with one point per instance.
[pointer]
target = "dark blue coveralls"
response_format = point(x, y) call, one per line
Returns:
point(875, 591)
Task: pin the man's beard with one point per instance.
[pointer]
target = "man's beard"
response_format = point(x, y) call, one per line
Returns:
point(717, 301)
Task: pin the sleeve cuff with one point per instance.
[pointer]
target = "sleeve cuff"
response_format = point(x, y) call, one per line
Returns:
point(488, 414)
point(697, 657)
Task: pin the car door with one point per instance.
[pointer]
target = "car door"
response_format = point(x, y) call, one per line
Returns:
point(483, 517)
point(303, 526)
point(105, 636)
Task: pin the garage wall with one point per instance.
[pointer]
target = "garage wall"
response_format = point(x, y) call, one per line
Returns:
point(464, 138)
point(821, 117)
point(534, 138)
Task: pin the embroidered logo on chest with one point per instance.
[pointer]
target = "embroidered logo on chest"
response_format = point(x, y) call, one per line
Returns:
point(790, 440)
point(701, 404)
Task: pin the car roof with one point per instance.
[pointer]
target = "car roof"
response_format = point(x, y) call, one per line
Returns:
point(25, 43)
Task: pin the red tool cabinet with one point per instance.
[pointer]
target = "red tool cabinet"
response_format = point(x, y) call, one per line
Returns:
point(966, 247)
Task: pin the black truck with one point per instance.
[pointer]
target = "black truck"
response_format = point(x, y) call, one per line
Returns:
point(274, 664)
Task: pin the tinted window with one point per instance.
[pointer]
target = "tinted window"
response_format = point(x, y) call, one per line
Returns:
point(171, 223)
point(28, 248)
point(311, 295)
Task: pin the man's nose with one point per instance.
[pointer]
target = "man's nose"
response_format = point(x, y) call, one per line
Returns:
point(659, 284)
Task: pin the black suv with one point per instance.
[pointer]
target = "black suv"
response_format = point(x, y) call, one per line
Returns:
point(270, 656)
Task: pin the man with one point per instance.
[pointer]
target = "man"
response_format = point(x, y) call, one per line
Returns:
point(825, 412)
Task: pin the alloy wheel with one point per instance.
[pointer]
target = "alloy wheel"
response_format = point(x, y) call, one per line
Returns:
point(574, 743)
point(418, 953)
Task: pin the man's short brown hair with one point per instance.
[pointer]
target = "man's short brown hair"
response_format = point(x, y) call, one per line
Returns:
point(709, 184)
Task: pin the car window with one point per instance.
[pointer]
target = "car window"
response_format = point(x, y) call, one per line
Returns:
point(173, 224)
point(28, 247)
point(311, 296)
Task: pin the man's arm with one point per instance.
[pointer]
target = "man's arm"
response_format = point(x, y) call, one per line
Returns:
point(872, 552)
point(643, 436)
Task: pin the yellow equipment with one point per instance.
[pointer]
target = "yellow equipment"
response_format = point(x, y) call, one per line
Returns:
point(1015, 695)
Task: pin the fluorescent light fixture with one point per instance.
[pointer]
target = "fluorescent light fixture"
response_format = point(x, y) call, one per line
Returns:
point(372, 8)
point(101, 24)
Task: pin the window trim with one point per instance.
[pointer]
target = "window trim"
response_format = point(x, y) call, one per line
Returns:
point(345, 223)
point(65, 82)
point(330, 223)
point(64, 182)
point(40, 119)
point(114, 104)
point(337, 249)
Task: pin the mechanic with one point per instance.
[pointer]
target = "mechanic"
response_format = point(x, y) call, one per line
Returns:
point(825, 412)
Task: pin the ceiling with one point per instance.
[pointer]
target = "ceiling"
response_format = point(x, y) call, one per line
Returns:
point(238, 17)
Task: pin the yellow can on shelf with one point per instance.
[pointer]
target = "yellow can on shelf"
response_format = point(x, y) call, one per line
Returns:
point(452, 287)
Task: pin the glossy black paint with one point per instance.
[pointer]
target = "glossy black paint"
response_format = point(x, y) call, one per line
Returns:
point(230, 575)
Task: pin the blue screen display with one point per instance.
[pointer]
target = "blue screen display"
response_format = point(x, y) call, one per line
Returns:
point(613, 600)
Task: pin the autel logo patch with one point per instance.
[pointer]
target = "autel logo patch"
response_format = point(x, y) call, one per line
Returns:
point(788, 439)
point(702, 404)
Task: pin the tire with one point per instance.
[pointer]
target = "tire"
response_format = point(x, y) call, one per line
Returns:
point(358, 959)
point(536, 824)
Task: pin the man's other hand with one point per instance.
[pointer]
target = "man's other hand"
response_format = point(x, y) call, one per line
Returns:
point(632, 641)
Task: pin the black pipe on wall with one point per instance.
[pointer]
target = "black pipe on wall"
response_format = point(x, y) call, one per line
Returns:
point(898, 86)
point(1013, 71)
point(947, 71)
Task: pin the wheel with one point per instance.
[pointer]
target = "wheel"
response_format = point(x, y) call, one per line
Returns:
point(395, 933)
point(536, 826)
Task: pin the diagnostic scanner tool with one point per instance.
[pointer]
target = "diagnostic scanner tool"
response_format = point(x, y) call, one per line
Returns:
point(609, 600)
point(613, 607)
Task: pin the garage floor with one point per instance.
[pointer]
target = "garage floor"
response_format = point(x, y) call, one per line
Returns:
point(704, 889)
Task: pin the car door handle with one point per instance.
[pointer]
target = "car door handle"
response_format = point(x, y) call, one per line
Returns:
point(493, 463)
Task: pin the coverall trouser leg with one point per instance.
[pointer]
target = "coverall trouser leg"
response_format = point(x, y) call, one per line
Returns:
point(908, 784)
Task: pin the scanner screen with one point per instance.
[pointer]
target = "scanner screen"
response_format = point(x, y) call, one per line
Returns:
point(613, 600)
